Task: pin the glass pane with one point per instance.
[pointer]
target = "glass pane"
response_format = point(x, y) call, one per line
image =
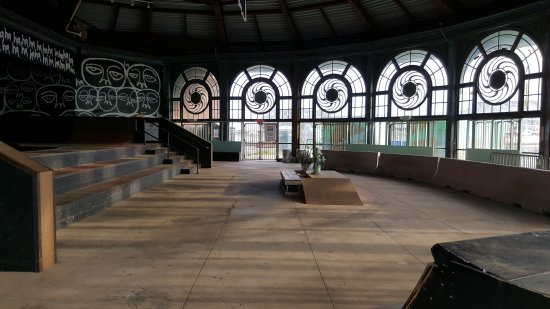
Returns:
point(358, 133)
point(439, 133)
point(398, 133)
point(530, 134)
point(379, 131)
point(306, 134)
point(235, 131)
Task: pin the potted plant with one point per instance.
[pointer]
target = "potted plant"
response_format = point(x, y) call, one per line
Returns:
point(305, 159)
point(318, 161)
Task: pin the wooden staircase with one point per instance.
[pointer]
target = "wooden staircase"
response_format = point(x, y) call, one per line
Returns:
point(89, 178)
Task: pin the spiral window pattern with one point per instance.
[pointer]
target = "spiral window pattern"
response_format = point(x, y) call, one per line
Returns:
point(195, 98)
point(498, 80)
point(261, 97)
point(409, 90)
point(332, 95)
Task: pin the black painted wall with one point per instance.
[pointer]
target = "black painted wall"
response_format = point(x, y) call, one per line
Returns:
point(17, 242)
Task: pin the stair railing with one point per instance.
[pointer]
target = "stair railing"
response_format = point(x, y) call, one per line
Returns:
point(182, 140)
point(197, 151)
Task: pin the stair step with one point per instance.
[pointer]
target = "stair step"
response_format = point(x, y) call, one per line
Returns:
point(74, 177)
point(81, 203)
point(153, 151)
point(74, 155)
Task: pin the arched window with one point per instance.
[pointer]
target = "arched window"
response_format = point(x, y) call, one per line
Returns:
point(503, 73)
point(196, 95)
point(260, 92)
point(333, 90)
point(413, 83)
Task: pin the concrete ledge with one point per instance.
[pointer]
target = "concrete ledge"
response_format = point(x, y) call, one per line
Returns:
point(518, 186)
point(525, 188)
point(351, 161)
point(417, 168)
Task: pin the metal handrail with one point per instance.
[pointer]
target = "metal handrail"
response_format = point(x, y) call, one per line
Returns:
point(179, 138)
point(526, 160)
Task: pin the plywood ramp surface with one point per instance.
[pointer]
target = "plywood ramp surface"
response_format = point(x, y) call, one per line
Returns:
point(330, 188)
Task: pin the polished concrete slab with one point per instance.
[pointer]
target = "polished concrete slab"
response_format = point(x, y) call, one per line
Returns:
point(228, 237)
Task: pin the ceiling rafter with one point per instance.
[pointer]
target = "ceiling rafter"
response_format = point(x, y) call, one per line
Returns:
point(115, 18)
point(290, 20)
point(139, 6)
point(363, 14)
point(147, 22)
point(260, 37)
point(330, 26)
point(404, 9)
point(220, 22)
point(209, 11)
point(450, 7)
point(205, 2)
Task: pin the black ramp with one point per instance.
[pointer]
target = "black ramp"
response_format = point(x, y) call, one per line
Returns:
point(498, 272)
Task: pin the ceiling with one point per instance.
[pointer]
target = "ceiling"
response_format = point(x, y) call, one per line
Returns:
point(176, 27)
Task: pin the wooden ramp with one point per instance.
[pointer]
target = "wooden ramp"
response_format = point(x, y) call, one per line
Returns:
point(330, 188)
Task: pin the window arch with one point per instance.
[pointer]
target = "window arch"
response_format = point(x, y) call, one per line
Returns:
point(260, 92)
point(502, 73)
point(333, 90)
point(413, 83)
point(196, 95)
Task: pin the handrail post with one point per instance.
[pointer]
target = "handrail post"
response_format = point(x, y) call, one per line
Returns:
point(198, 156)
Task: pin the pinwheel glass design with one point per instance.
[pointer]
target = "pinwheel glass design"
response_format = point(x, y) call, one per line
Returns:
point(409, 90)
point(332, 95)
point(260, 97)
point(195, 98)
point(498, 80)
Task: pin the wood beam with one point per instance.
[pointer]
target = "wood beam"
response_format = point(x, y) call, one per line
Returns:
point(209, 11)
point(329, 24)
point(363, 14)
point(260, 38)
point(147, 22)
point(404, 9)
point(450, 7)
point(115, 18)
point(443, 6)
point(290, 20)
point(220, 22)
point(139, 6)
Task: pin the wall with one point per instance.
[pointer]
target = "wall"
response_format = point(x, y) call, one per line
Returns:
point(102, 87)
point(38, 78)
point(521, 187)
point(109, 87)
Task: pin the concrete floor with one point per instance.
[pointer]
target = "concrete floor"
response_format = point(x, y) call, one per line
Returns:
point(229, 238)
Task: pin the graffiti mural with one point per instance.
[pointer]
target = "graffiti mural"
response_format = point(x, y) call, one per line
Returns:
point(108, 87)
point(20, 45)
point(36, 91)
point(103, 87)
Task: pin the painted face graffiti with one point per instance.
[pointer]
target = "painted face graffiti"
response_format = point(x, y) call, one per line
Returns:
point(55, 100)
point(103, 72)
point(107, 98)
point(20, 95)
point(142, 76)
point(127, 101)
point(86, 98)
point(149, 102)
point(111, 88)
